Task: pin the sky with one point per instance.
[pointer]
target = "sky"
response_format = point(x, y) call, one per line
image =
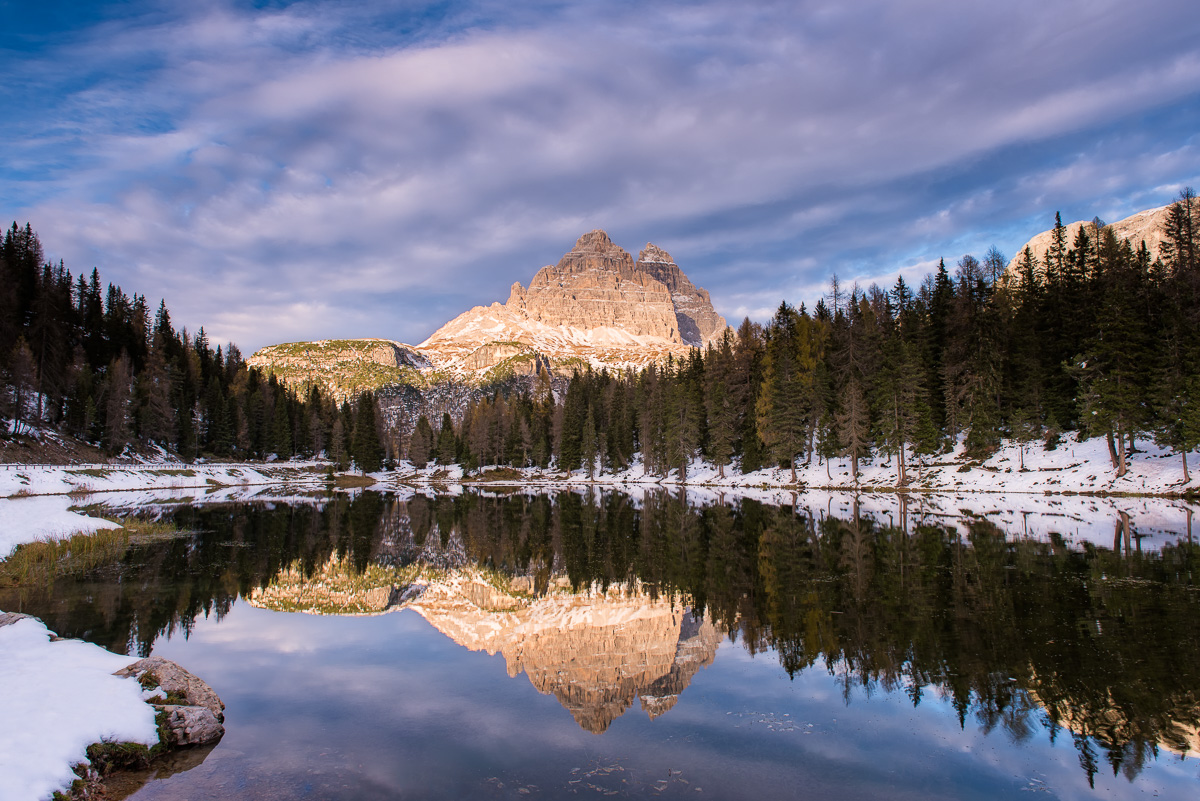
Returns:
point(289, 171)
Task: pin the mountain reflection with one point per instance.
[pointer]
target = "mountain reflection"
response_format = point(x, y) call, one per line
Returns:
point(602, 599)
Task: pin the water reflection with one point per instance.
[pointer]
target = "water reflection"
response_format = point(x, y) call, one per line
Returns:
point(604, 598)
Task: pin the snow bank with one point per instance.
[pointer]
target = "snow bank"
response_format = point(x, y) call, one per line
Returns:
point(56, 699)
point(46, 517)
point(38, 506)
point(62, 479)
point(1073, 467)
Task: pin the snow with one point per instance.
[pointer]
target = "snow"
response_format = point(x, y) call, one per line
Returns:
point(1070, 492)
point(56, 699)
point(44, 517)
point(38, 506)
point(23, 479)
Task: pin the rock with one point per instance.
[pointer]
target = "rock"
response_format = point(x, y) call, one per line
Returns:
point(176, 681)
point(596, 285)
point(192, 725)
point(342, 367)
point(698, 322)
point(8, 618)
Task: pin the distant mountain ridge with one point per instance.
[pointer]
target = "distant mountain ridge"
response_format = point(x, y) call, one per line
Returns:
point(1144, 226)
point(595, 306)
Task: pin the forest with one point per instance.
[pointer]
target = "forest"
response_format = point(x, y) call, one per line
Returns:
point(1099, 337)
point(95, 363)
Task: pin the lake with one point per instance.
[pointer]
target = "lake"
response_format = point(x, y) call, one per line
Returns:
point(519, 644)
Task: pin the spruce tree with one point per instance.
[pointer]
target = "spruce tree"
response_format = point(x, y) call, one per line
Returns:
point(420, 443)
point(366, 447)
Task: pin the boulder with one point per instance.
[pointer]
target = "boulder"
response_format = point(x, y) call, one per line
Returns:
point(199, 717)
point(192, 725)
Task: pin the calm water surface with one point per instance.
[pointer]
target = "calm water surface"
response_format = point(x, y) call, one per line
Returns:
point(445, 647)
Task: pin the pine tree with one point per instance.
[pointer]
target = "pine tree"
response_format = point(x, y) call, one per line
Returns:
point(281, 426)
point(745, 383)
point(446, 446)
point(1180, 248)
point(156, 413)
point(23, 378)
point(420, 444)
point(588, 448)
point(366, 447)
point(720, 406)
point(117, 429)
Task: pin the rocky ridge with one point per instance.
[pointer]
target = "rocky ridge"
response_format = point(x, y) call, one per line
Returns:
point(1144, 226)
point(343, 367)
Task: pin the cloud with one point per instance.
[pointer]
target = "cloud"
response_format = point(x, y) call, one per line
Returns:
point(344, 171)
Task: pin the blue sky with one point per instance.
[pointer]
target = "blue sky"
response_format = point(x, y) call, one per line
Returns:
point(282, 171)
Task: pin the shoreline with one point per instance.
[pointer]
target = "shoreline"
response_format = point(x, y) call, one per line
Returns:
point(122, 713)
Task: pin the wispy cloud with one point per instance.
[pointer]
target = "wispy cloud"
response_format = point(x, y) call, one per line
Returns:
point(337, 170)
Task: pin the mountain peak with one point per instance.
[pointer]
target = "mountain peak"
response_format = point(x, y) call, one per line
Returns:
point(595, 241)
point(595, 303)
point(653, 254)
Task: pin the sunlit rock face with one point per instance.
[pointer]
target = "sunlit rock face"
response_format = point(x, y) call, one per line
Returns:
point(596, 285)
point(698, 322)
point(342, 367)
point(594, 651)
point(596, 305)
point(1145, 226)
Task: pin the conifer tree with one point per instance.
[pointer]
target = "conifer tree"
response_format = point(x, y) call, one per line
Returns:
point(719, 403)
point(156, 413)
point(419, 444)
point(446, 445)
point(588, 448)
point(367, 450)
point(23, 378)
point(281, 427)
point(117, 429)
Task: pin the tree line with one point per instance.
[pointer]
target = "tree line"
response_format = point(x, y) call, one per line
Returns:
point(1099, 336)
point(99, 364)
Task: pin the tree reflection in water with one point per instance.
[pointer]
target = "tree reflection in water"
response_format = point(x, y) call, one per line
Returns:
point(1017, 634)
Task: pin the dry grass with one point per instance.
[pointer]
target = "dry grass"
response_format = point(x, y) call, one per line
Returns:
point(499, 474)
point(350, 480)
point(42, 561)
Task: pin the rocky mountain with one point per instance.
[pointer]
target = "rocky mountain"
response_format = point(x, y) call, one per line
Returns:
point(1145, 226)
point(595, 306)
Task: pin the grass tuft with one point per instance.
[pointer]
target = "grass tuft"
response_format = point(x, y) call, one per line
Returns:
point(42, 561)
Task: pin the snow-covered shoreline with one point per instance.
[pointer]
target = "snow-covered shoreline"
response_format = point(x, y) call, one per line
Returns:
point(57, 697)
point(1074, 467)
point(75, 479)
point(38, 501)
